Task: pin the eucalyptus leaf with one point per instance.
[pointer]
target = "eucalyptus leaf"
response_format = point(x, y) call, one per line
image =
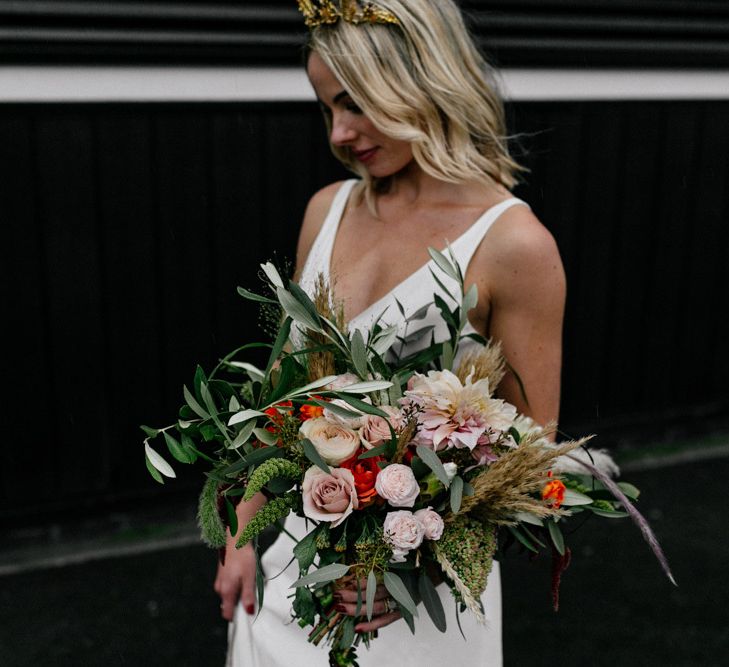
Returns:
point(526, 517)
point(555, 532)
point(470, 300)
point(264, 436)
point(254, 373)
point(523, 539)
point(366, 387)
point(419, 314)
point(371, 590)
point(456, 494)
point(244, 435)
point(158, 462)
point(448, 355)
point(443, 263)
point(194, 405)
point(337, 409)
point(313, 456)
point(359, 354)
point(176, 449)
point(272, 274)
point(252, 296)
point(361, 405)
point(384, 341)
point(305, 550)
point(153, 471)
point(296, 311)
point(432, 602)
point(233, 404)
point(244, 416)
point(396, 588)
point(430, 458)
point(572, 497)
point(322, 575)
point(149, 431)
point(317, 384)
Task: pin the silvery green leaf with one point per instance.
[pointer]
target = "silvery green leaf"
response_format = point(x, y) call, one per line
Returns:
point(158, 462)
point(244, 416)
point(572, 497)
point(419, 314)
point(366, 387)
point(430, 458)
point(431, 601)
point(456, 494)
point(384, 341)
point(266, 437)
point(444, 264)
point(396, 588)
point(337, 409)
point(359, 353)
point(183, 424)
point(194, 405)
point(272, 274)
point(233, 404)
point(447, 356)
point(371, 590)
point(629, 490)
point(322, 575)
point(296, 311)
point(526, 517)
point(254, 373)
point(313, 455)
point(470, 299)
point(317, 384)
point(557, 538)
point(247, 294)
point(244, 435)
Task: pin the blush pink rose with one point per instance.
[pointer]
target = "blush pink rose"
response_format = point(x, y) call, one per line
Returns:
point(376, 430)
point(432, 523)
point(334, 442)
point(403, 531)
point(329, 497)
point(397, 484)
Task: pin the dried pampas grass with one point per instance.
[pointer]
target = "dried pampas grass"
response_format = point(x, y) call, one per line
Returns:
point(486, 363)
point(322, 363)
point(508, 485)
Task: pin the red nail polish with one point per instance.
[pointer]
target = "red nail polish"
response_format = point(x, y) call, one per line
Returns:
point(250, 609)
point(340, 607)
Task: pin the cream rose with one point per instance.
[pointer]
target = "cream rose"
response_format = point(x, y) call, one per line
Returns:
point(432, 523)
point(376, 430)
point(397, 484)
point(329, 497)
point(334, 442)
point(404, 532)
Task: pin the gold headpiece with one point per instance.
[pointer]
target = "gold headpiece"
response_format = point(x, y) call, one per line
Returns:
point(326, 12)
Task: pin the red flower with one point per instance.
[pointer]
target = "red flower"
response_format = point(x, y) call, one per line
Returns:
point(276, 414)
point(553, 492)
point(365, 473)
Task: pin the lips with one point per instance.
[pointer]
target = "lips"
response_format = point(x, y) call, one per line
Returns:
point(366, 155)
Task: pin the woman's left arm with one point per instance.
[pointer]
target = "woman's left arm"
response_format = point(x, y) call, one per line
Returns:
point(522, 293)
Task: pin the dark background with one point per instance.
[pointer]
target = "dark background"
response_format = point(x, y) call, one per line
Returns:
point(127, 228)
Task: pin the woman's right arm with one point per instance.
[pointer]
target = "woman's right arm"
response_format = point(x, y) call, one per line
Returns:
point(236, 579)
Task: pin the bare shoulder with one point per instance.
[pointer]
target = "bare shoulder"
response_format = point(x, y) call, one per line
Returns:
point(519, 254)
point(314, 216)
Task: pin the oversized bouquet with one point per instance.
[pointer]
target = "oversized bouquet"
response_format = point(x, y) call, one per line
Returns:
point(407, 468)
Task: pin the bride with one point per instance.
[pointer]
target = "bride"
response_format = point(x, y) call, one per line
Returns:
point(410, 110)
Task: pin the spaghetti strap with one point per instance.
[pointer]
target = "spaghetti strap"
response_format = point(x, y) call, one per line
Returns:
point(465, 245)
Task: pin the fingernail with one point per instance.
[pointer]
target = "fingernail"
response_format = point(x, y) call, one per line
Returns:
point(250, 609)
point(340, 607)
point(337, 596)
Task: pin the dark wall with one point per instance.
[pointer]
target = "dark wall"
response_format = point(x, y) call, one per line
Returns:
point(128, 227)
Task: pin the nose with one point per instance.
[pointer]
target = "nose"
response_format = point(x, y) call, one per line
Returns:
point(342, 132)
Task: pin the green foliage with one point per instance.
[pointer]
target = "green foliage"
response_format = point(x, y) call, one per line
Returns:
point(208, 516)
point(269, 470)
point(274, 510)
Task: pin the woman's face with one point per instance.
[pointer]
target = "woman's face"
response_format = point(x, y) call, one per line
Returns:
point(381, 155)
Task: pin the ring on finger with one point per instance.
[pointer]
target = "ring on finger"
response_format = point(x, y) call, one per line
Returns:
point(388, 608)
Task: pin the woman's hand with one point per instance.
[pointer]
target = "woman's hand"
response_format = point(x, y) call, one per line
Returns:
point(236, 580)
point(382, 610)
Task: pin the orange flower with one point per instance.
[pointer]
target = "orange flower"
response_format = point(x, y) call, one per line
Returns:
point(553, 492)
point(307, 411)
point(276, 413)
point(365, 474)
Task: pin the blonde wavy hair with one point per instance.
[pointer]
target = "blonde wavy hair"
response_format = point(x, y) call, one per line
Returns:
point(425, 82)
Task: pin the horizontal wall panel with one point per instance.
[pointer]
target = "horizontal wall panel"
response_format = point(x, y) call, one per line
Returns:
point(129, 227)
point(547, 33)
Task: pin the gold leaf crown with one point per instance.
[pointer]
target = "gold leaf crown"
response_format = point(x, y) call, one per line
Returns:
point(326, 12)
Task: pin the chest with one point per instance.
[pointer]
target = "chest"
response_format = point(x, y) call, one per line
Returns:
point(372, 256)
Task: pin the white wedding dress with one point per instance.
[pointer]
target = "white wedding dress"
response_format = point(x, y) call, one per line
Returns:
point(273, 640)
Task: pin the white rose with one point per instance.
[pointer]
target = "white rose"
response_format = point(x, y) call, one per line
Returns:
point(334, 442)
point(397, 484)
point(432, 523)
point(404, 532)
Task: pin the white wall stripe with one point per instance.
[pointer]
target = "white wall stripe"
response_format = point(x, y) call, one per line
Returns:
point(210, 84)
